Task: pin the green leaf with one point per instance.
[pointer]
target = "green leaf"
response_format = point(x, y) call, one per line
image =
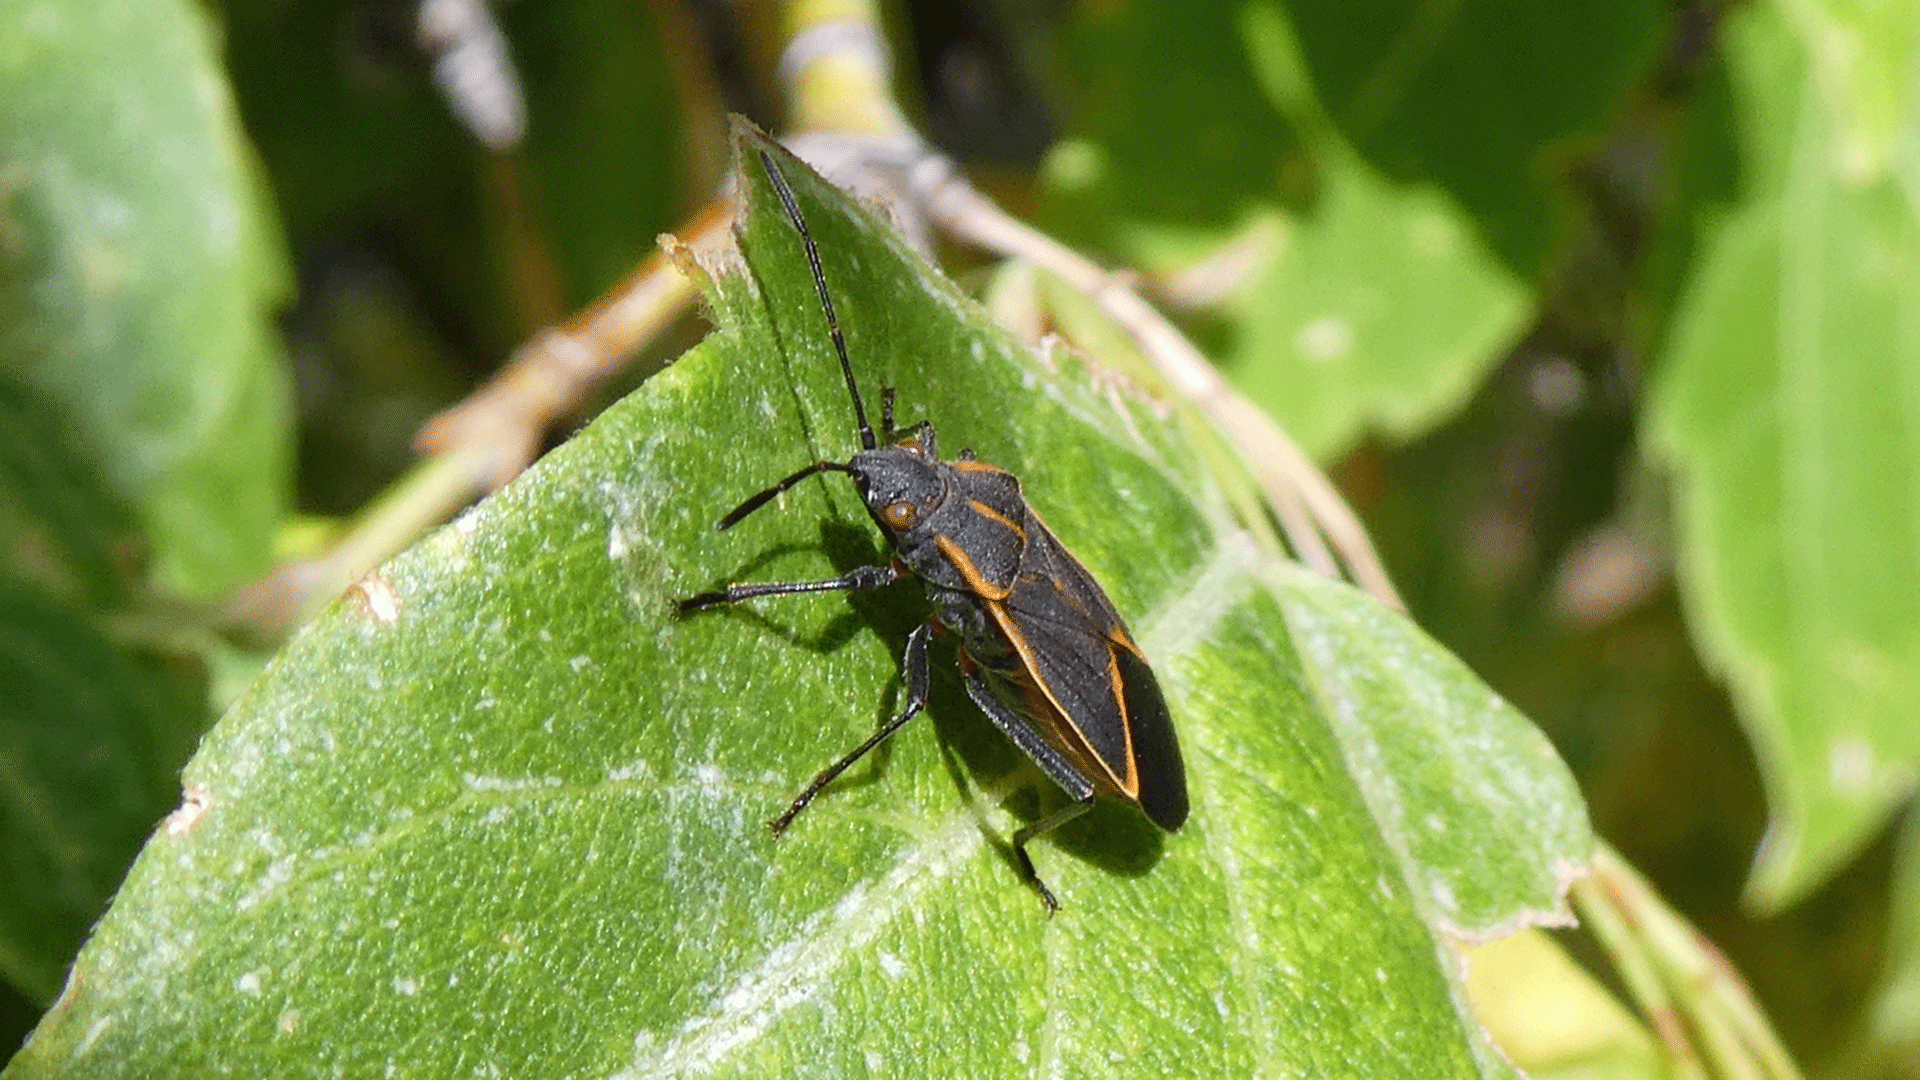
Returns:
point(82, 780)
point(92, 733)
point(498, 810)
point(138, 274)
point(1789, 406)
point(1862, 56)
point(1375, 306)
point(1478, 95)
point(1487, 823)
point(1170, 123)
point(1380, 311)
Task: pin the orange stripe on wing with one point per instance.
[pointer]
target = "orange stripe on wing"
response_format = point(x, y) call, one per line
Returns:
point(975, 466)
point(1126, 716)
point(996, 517)
point(1128, 784)
point(981, 587)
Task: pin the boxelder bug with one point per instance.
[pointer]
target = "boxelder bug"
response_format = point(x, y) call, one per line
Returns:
point(1043, 652)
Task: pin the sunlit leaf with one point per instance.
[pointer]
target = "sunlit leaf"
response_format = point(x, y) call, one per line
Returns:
point(498, 810)
point(1862, 64)
point(1789, 405)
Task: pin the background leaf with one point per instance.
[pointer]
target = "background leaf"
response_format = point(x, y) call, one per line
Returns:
point(1801, 557)
point(92, 731)
point(85, 769)
point(1366, 303)
point(496, 809)
point(1862, 57)
point(1478, 96)
point(143, 439)
point(138, 275)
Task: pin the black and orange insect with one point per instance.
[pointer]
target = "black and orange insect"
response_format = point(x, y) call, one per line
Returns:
point(1042, 651)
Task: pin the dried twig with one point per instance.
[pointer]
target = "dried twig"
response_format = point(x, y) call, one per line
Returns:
point(1700, 1007)
point(553, 373)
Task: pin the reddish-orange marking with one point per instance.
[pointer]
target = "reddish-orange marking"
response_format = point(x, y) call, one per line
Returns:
point(975, 581)
point(975, 466)
point(991, 514)
point(1126, 716)
point(1129, 784)
point(1072, 600)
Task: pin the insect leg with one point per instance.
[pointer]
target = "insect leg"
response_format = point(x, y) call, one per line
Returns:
point(1045, 825)
point(1051, 761)
point(886, 411)
point(914, 663)
point(859, 579)
point(761, 499)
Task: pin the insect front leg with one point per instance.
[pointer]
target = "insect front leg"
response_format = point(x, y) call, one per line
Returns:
point(859, 579)
point(914, 664)
point(1051, 761)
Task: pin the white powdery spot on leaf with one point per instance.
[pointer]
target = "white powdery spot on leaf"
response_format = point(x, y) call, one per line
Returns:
point(505, 783)
point(633, 770)
point(711, 778)
point(278, 873)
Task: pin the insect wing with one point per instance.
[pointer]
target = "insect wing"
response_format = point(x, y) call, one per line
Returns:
point(1080, 654)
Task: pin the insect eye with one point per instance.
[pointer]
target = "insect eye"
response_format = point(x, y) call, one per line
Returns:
point(900, 515)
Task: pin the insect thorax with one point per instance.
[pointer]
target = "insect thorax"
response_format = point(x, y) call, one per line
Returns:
point(901, 473)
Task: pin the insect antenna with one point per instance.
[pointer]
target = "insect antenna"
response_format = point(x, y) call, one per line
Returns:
point(867, 440)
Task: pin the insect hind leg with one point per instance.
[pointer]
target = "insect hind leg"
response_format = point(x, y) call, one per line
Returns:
point(1045, 825)
point(1051, 761)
